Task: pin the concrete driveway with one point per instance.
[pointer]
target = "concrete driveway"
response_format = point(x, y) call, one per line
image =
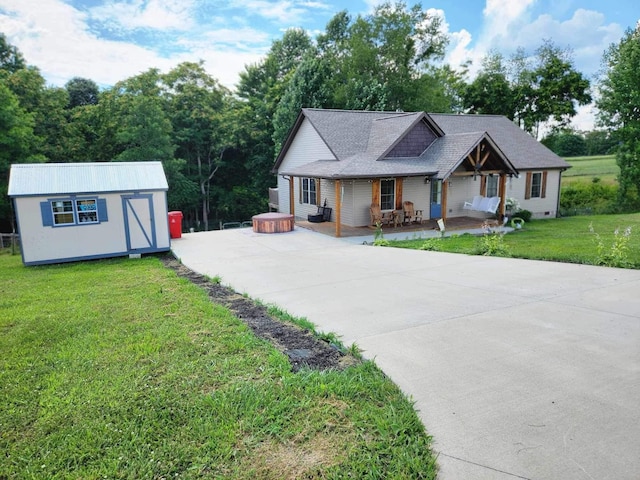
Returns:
point(519, 369)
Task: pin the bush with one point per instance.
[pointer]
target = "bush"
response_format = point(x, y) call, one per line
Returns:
point(594, 197)
point(524, 215)
point(492, 244)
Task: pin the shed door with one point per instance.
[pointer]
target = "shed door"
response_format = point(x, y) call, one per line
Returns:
point(138, 222)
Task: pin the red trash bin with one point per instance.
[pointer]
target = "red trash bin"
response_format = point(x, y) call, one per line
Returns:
point(175, 224)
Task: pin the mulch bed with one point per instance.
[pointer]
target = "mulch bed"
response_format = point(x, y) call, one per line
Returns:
point(301, 347)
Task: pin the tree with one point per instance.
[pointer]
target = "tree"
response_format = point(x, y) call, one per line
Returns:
point(261, 88)
point(11, 60)
point(16, 143)
point(565, 143)
point(555, 88)
point(619, 110)
point(491, 91)
point(82, 91)
point(530, 91)
point(197, 106)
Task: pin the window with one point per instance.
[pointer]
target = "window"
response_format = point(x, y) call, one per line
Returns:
point(387, 194)
point(87, 211)
point(492, 186)
point(536, 185)
point(73, 211)
point(63, 212)
point(309, 192)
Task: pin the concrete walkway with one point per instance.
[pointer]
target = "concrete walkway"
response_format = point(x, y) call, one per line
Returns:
point(519, 369)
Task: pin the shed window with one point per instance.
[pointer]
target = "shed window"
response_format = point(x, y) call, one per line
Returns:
point(73, 211)
point(87, 210)
point(63, 212)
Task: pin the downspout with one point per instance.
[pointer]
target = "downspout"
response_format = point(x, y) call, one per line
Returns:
point(559, 187)
point(338, 206)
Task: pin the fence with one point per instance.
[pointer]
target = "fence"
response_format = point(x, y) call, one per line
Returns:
point(7, 239)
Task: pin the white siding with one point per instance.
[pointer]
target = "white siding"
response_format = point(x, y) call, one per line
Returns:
point(539, 207)
point(43, 244)
point(415, 190)
point(306, 147)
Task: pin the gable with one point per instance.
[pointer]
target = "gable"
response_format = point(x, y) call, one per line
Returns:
point(524, 151)
point(416, 141)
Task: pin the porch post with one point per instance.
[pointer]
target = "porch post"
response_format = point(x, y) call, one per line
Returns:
point(503, 191)
point(338, 204)
point(445, 193)
point(292, 209)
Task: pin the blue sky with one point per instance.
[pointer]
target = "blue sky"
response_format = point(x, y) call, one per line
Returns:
point(108, 40)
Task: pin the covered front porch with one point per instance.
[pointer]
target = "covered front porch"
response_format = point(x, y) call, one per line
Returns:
point(451, 225)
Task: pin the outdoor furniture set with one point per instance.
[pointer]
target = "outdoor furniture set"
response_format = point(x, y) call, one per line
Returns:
point(406, 216)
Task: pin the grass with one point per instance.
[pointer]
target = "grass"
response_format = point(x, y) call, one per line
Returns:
point(563, 240)
point(119, 369)
point(584, 169)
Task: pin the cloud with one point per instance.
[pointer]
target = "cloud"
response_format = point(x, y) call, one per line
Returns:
point(587, 48)
point(283, 11)
point(153, 14)
point(56, 37)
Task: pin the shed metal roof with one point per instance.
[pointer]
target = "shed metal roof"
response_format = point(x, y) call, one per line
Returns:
point(82, 178)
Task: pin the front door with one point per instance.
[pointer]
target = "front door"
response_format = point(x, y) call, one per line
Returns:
point(138, 222)
point(436, 199)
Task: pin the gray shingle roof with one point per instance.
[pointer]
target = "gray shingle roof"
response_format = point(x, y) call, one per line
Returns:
point(524, 151)
point(360, 139)
point(73, 178)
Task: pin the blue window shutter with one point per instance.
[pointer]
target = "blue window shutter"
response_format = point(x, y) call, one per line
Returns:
point(47, 214)
point(102, 210)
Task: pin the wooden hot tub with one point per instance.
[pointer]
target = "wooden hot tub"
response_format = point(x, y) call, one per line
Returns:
point(272, 222)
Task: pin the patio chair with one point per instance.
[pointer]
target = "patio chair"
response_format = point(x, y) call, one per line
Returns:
point(411, 215)
point(375, 213)
point(378, 216)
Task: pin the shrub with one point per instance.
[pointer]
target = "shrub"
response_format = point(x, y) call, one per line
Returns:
point(617, 255)
point(432, 245)
point(524, 215)
point(594, 197)
point(492, 244)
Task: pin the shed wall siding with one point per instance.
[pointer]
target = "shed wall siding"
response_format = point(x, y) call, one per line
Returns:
point(45, 244)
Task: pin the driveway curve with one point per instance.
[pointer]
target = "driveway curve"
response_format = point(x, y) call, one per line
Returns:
point(518, 368)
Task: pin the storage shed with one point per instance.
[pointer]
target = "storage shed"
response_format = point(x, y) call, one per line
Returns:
point(79, 211)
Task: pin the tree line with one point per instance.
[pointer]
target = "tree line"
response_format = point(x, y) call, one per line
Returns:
point(218, 146)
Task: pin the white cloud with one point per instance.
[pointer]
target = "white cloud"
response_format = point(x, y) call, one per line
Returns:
point(500, 15)
point(55, 37)
point(155, 14)
point(282, 11)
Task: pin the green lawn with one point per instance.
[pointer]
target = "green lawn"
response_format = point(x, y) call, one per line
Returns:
point(584, 169)
point(120, 369)
point(563, 239)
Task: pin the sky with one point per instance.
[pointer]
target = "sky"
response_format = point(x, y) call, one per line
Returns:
point(111, 40)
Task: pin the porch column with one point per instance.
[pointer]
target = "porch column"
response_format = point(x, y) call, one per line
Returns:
point(445, 193)
point(503, 191)
point(292, 209)
point(338, 206)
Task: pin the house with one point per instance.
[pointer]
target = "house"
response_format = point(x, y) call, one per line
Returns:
point(77, 211)
point(353, 159)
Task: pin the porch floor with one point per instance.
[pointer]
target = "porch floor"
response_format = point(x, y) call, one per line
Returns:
point(451, 224)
